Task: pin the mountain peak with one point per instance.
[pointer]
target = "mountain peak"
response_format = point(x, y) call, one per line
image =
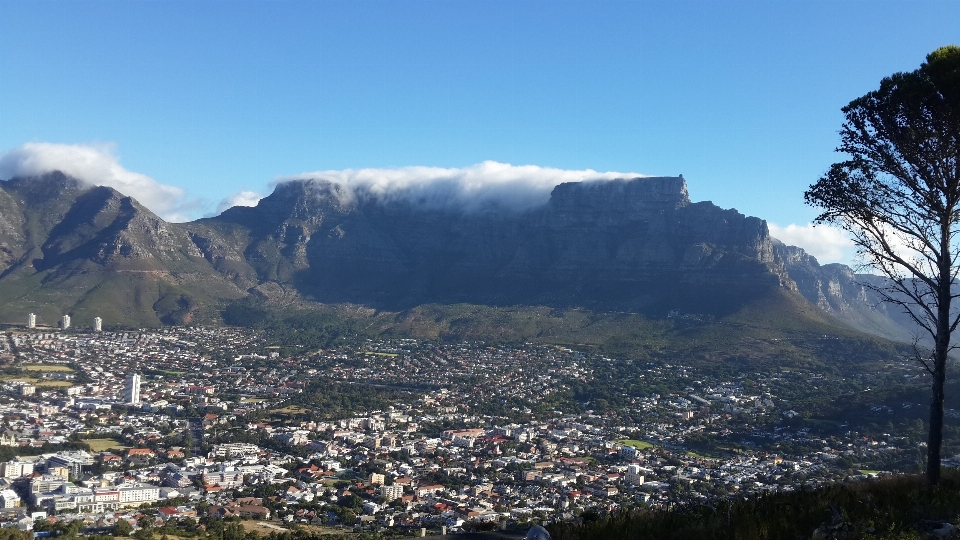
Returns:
point(43, 187)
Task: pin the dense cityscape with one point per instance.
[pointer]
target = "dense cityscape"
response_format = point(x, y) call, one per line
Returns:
point(164, 426)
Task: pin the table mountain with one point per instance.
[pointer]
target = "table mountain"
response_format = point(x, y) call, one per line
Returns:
point(625, 244)
point(621, 245)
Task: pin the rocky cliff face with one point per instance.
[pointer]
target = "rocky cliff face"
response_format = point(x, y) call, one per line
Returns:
point(633, 244)
point(625, 244)
point(845, 295)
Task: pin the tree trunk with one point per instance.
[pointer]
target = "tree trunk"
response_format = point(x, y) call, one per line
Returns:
point(942, 348)
point(935, 440)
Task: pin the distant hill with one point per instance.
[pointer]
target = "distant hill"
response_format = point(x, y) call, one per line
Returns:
point(632, 245)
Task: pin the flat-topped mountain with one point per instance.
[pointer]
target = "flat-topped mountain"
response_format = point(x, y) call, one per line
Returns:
point(624, 244)
point(615, 245)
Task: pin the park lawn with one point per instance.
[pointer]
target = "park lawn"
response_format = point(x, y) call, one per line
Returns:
point(252, 400)
point(639, 445)
point(101, 445)
point(290, 409)
point(701, 456)
point(50, 368)
point(323, 529)
point(52, 383)
point(36, 381)
point(12, 378)
point(255, 526)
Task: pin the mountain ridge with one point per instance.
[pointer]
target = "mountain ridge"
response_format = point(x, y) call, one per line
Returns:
point(613, 245)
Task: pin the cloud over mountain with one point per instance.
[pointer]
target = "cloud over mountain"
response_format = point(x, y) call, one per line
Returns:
point(240, 198)
point(489, 184)
point(95, 165)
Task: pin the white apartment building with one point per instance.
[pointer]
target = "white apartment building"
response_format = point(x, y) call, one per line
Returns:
point(68, 496)
point(131, 389)
point(139, 494)
point(64, 322)
point(9, 499)
point(227, 478)
point(47, 482)
point(15, 469)
point(634, 475)
point(235, 449)
point(391, 492)
point(97, 324)
point(32, 320)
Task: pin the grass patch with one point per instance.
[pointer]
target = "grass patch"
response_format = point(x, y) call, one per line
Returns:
point(701, 456)
point(321, 530)
point(290, 409)
point(639, 445)
point(102, 445)
point(40, 383)
point(14, 378)
point(49, 383)
point(48, 368)
point(252, 400)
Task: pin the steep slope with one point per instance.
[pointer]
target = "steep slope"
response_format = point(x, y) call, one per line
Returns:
point(845, 295)
point(29, 210)
point(626, 244)
point(91, 251)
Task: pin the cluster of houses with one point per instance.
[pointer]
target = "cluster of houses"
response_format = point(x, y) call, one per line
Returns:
point(394, 466)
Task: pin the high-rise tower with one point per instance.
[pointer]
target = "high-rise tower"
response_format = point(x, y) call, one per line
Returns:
point(31, 320)
point(131, 389)
point(65, 322)
point(97, 324)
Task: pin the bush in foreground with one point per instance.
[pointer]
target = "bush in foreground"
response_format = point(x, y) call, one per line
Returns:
point(894, 508)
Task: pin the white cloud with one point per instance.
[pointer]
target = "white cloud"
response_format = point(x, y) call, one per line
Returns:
point(95, 165)
point(828, 244)
point(240, 198)
point(472, 188)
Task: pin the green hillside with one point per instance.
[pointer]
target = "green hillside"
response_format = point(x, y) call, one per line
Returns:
point(782, 329)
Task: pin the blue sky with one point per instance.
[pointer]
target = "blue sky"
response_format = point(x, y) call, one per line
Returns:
point(207, 99)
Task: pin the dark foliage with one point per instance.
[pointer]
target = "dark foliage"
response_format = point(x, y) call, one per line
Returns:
point(884, 509)
point(898, 195)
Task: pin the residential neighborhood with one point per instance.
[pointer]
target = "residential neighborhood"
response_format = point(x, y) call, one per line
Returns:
point(187, 422)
